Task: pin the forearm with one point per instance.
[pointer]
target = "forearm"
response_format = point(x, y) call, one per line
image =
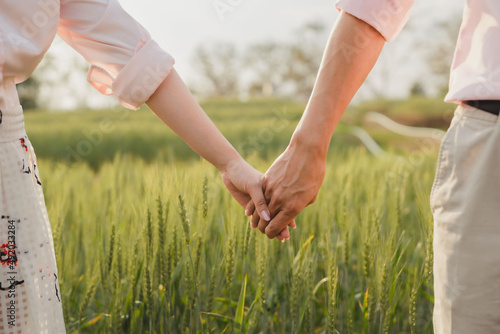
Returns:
point(351, 53)
point(177, 108)
point(293, 181)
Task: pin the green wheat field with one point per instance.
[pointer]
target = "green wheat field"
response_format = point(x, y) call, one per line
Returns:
point(148, 240)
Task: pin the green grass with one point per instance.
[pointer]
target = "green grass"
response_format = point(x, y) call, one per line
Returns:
point(126, 268)
point(96, 136)
point(149, 241)
point(261, 128)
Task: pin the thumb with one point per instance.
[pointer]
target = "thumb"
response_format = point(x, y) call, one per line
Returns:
point(257, 195)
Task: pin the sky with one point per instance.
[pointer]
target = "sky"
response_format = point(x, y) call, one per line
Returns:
point(181, 26)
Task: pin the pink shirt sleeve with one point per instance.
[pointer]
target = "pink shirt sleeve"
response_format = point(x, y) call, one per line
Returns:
point(387, 16)
point(124, 60)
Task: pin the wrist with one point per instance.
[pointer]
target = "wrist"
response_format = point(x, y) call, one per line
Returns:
point(229, 162)
point(310, 143)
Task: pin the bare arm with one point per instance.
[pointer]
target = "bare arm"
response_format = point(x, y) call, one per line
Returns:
point(176, 107)
point(294, 179)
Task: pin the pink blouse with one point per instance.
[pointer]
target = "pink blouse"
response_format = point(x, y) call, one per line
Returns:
point(475, 71)
point(124, 60)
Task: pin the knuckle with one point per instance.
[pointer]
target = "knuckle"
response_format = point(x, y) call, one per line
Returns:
point(295, 206)
point(262, 226)
point(265, 181)
point(278, 193)
point(293, 209)
point(268, 193)
point(278, 198)
point(271, 231)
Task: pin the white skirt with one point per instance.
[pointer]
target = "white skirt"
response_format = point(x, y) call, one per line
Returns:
point(30, 298)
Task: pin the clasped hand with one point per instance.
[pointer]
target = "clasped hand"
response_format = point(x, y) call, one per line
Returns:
point(277, 197)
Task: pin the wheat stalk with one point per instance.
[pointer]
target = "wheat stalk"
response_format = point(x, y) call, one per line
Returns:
point(332, 293)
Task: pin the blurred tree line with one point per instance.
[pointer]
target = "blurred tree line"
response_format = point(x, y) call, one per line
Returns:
point(272, 68)
point(262, 69)
point(289, 69)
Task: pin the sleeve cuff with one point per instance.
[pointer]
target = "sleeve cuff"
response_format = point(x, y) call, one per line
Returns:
point(138, 79)
point(388, 17)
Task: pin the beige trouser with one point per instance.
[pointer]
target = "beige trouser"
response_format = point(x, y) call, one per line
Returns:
point(465, 201)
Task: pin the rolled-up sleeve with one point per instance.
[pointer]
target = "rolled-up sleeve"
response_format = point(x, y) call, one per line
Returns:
point(125, 61)
point(388, 17)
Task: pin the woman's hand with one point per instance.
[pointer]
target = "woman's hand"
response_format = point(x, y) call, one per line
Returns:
point(245, 185)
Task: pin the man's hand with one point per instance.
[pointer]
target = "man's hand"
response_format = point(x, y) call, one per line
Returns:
point(294, 179)
point(291, 184)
